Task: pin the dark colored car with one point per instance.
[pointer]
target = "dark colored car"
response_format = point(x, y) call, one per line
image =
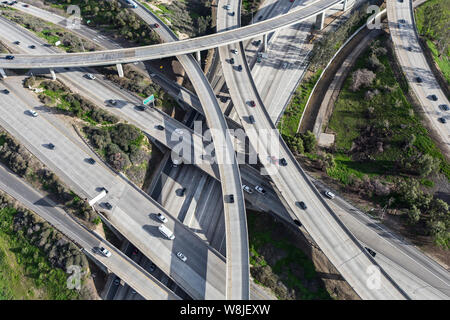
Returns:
point(443, 107)
point(230, 198)
point(112, 102)
point(141, 107)
point(159, 127)
point(283, 162)
point(107, 205)
point(251, 119)
point(6, 91)
point(232, 61)
point(371, 252)
point(16, 42)
point(183, 192)
point(297, 222)
point(419, 79)
point(51, 146)
point(257, 43)
point(442, 120)
point(152, 267)
point(433, 97)
point(32, 46)
point(156, 25)
point(252, 103)
point(91, 160)
point(239, 68)
point(302, 205)
point(9, 57)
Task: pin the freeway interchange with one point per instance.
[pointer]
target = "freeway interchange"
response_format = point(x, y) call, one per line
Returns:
point(205, 277)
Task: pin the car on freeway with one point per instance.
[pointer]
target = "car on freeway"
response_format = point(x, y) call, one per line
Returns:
point(234, 51)
point(442, 120)
point(371, 252)
point(90, 76)
point(230, 198)
point(116, 281)
point(17, 42)
point(91, 160)
point(297, 222)
point(232, 61)
point(239, 68)
point(161, 217)
point(156, 25)
point(112, 102)
point(285, 64)
point(401, 21)
point(33, 113)
point(181, 256)
point(252, 103)
point(257, 43)
point(25, 5)
point(302, 205)
point(232, 14)
point(178, 131)
point(159, 127)
point(141, 107)
point(419, 80)
point(410, 49)
point(182, 192)
point(152, 267)
point(272, 159)
point(251, 119)
point(5, 91)
point(105, 252)
point(104, 189)
point(227, 7)
point(32, 46)
point(258, 59)
point(283, 162)
point(107, 205)
point(247, 189)
point(260, 189)
point(9, 57)
point(51, 146)
point(443, 107)
point(433, 97)
point(330, 194)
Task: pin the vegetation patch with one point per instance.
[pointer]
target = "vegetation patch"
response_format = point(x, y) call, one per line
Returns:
point(279, 264)
point(382, 151)
point(34, 257)
point(433, 24)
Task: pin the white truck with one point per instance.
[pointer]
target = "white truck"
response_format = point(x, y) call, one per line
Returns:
point(166, 232)
point(131, 3)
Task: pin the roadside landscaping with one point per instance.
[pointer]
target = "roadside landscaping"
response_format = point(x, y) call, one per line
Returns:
point(383, 153)
point(433, 24)
point(34, 257)
point(277, 262)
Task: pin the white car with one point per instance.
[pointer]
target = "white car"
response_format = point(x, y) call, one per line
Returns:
point(161, 217)
point(90, 76)
point(247, 189)
point(33, 113)
point(179, 131)
point(181, 256)
point(105, 252)
point(234, 51)
point(330, 194)
point(260, 189)
point(227, 7)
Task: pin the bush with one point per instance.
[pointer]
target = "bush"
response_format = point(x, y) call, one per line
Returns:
point(362, 78)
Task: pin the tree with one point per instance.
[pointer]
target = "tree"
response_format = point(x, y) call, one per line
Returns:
point(362, 78)
point(414, 215)
point(309, 141)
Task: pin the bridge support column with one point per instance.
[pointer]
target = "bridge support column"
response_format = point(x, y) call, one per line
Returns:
point(320, 19)
point(264, 42)
point(119, 70)
point(3, 73)
point(52, 72)
point(198, 56)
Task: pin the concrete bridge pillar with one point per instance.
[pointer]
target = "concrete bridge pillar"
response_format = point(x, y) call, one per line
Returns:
point(119, 70)
point(3, 73)
point(264, 43)
point(320, 19)
point(198, 56)
point(52, 72)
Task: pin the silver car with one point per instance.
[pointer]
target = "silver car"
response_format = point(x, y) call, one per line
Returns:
point(181, 256)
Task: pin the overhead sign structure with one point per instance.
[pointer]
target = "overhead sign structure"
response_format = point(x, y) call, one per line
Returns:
point(149, 99)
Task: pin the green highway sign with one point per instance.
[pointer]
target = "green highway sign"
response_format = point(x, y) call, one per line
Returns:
point(148, 100)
